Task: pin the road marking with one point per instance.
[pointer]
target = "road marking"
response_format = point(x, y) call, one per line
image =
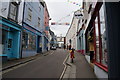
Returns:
point(52, 52)
point(64, 67)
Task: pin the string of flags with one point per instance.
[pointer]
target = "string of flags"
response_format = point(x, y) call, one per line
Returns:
point(56, 23)
point(75, 3)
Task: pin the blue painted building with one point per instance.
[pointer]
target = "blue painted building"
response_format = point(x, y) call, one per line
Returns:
point(81, 41)
point(23, 33)
point(33, 24)
point(10, 36)
point(11, 33)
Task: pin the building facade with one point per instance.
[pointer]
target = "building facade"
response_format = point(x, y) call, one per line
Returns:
point(33, 26)
point(71, 39)
point(24, 28)
point(61, 42)
point(46, 28)
point(95, 37)
point(10, 30)
point(53, 39)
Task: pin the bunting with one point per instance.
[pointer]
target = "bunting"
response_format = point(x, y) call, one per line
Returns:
point(75, 3)
point(55, 23)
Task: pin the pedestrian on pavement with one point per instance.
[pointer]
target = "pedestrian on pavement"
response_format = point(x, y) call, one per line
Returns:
point(64, 46)
point(69, 47)
point(72, 54)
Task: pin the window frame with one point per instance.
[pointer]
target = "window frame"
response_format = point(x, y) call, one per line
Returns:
point(16, 14)
point(39, 21)
point(29, 16)
point(99, 64)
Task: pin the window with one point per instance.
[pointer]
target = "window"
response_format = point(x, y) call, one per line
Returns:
point(28, 41)
point(85, 21)
point(103, 36)
point(97, 40)
point(38, 22)
point(29, 14)
point(100, 31)
point(13, 11)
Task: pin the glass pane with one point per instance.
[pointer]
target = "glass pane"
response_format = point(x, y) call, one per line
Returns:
point(29, 41)
point(97, 40)
point(103, 36)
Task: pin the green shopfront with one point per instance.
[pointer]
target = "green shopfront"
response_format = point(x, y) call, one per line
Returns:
point(10, 39)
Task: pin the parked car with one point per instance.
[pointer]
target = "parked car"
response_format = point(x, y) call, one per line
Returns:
point(53, 48)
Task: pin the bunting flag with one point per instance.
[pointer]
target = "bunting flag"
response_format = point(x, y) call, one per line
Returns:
point(55, 23)
point(74, 3)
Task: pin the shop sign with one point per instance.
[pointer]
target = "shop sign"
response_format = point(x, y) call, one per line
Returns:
point(78, 14)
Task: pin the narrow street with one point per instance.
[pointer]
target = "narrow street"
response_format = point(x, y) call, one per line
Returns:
point(49, 66)
point(60, 39)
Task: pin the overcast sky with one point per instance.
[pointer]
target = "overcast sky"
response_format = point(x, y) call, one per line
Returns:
point(59, 9)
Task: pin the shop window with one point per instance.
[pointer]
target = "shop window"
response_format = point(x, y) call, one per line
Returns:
point(29, 41)
point(13, 11)
point(100, 34)
point(97, 40)
point(103, 36)
point(24, 40)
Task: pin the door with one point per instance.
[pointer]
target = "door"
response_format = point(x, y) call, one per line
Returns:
point(10, 45)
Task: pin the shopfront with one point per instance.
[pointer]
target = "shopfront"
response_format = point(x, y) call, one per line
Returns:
point(46, 43)
point(31, 41)
point(96, 41)
point(10, 42)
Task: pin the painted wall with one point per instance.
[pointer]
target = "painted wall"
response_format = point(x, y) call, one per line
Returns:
point(37, 11)
point(4, 8)
point(46, 19)
point(81, 42)
point(72, 32)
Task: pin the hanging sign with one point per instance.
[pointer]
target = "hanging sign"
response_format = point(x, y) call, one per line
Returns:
point(78, 14)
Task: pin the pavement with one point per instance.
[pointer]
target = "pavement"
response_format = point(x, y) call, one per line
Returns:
point(79, 69)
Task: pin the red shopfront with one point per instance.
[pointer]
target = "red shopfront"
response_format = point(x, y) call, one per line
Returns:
point(97, 28)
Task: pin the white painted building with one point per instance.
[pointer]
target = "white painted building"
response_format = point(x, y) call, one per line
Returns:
point(72, 32)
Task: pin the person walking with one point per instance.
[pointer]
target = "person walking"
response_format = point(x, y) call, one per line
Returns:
point(69, 47)
point(72, 54)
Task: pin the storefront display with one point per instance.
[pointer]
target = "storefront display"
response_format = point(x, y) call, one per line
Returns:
point(29, 41)
point(100, 34)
